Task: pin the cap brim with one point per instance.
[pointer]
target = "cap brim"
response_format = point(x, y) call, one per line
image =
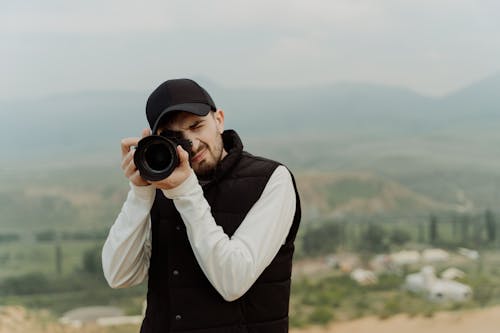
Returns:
point(199, 109)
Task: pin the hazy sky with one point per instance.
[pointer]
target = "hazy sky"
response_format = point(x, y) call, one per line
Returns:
point(431, 46)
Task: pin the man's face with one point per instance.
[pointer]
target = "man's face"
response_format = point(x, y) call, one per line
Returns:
point(205, 134)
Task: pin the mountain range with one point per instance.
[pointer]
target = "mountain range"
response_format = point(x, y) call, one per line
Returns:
point(94, 122)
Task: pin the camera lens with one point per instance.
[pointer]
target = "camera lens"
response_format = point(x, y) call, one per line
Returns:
point(156, 157)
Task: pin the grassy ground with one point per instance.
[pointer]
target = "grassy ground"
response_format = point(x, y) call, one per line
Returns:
point(30, 256)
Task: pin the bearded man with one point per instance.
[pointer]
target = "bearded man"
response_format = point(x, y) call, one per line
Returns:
point(215, 238)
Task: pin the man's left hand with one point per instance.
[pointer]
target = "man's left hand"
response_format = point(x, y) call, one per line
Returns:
point(179, 175)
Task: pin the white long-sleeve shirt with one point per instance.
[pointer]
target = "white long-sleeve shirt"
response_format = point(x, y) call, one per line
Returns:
point(231, 264)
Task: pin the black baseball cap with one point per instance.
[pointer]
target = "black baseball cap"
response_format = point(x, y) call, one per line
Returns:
point(177, 95)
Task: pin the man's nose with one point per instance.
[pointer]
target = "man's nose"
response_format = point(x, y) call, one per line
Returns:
point(195, 144)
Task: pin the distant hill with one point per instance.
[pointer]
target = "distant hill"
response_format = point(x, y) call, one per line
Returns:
point(70, 124)
point(339, 195)
point(95, 121)
point(481, 98)
point(90, 198)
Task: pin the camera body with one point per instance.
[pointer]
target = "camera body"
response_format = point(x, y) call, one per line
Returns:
point(156, 155)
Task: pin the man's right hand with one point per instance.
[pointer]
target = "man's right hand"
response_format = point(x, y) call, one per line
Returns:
point(128, 165)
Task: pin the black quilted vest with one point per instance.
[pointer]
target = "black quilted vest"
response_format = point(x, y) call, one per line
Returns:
point(180, 298)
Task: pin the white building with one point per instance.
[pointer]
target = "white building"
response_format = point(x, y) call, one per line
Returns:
point(435, 289)
point(471, 254)
point(452, 273)
point(405, 258)
point(363, 277)
point(435, 255)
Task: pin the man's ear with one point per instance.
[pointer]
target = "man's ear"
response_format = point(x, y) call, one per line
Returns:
point(219, 120)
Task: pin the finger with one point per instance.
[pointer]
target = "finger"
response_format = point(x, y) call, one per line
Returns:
point(183, 156)
point(129, 172)
point(127, 143)
point(137, 179)
point(126, 160)
point(129, 169)
point(145, 132)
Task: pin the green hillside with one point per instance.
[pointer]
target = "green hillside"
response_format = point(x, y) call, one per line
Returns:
point(361, 194)
point(89, 198)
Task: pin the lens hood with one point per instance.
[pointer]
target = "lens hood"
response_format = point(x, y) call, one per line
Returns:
point(156, 157)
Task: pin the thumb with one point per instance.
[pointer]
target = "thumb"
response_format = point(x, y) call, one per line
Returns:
point(146, 132)
point(183, 156)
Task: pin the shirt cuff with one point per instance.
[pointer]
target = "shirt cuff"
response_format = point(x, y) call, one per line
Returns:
point(183, 189)
point(143, 192)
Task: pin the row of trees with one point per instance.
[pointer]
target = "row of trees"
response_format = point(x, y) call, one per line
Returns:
point(331, 236)
point(53, 235)
point(464, 230)
point(9, 237)
point(478, 231)
point(84, 285)
point(37, 282)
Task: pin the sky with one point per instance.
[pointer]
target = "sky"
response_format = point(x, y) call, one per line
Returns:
point(433, 47)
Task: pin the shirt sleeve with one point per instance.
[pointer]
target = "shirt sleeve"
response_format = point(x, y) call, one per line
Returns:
point(233, 264)
point(126, 252)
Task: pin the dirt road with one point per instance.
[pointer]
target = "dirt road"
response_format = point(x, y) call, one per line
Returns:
point(471, 321)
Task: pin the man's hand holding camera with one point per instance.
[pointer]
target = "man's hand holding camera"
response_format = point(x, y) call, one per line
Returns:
point(128, 165)
point(177, 177)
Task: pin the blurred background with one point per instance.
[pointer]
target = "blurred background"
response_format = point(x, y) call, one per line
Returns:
point(386, 111)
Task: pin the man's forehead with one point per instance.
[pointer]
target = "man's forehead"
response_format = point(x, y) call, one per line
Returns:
point(181, 120)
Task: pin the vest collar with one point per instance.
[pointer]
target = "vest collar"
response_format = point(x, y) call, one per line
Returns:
point(234, 148)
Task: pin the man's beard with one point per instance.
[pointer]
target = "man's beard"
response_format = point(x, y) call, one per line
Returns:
point(206, 169)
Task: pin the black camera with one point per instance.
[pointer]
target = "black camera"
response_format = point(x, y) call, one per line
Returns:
point(156, 155)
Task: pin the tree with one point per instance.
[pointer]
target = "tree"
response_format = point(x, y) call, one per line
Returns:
point(59, 257)
point(465, 222)
point(399, 237)
point(373, 239)
point(490, 226)
point(46, 236)
point(421, 232)
point(30, 283)
point(323, 239)
point(433, 229)
point(91, 261)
